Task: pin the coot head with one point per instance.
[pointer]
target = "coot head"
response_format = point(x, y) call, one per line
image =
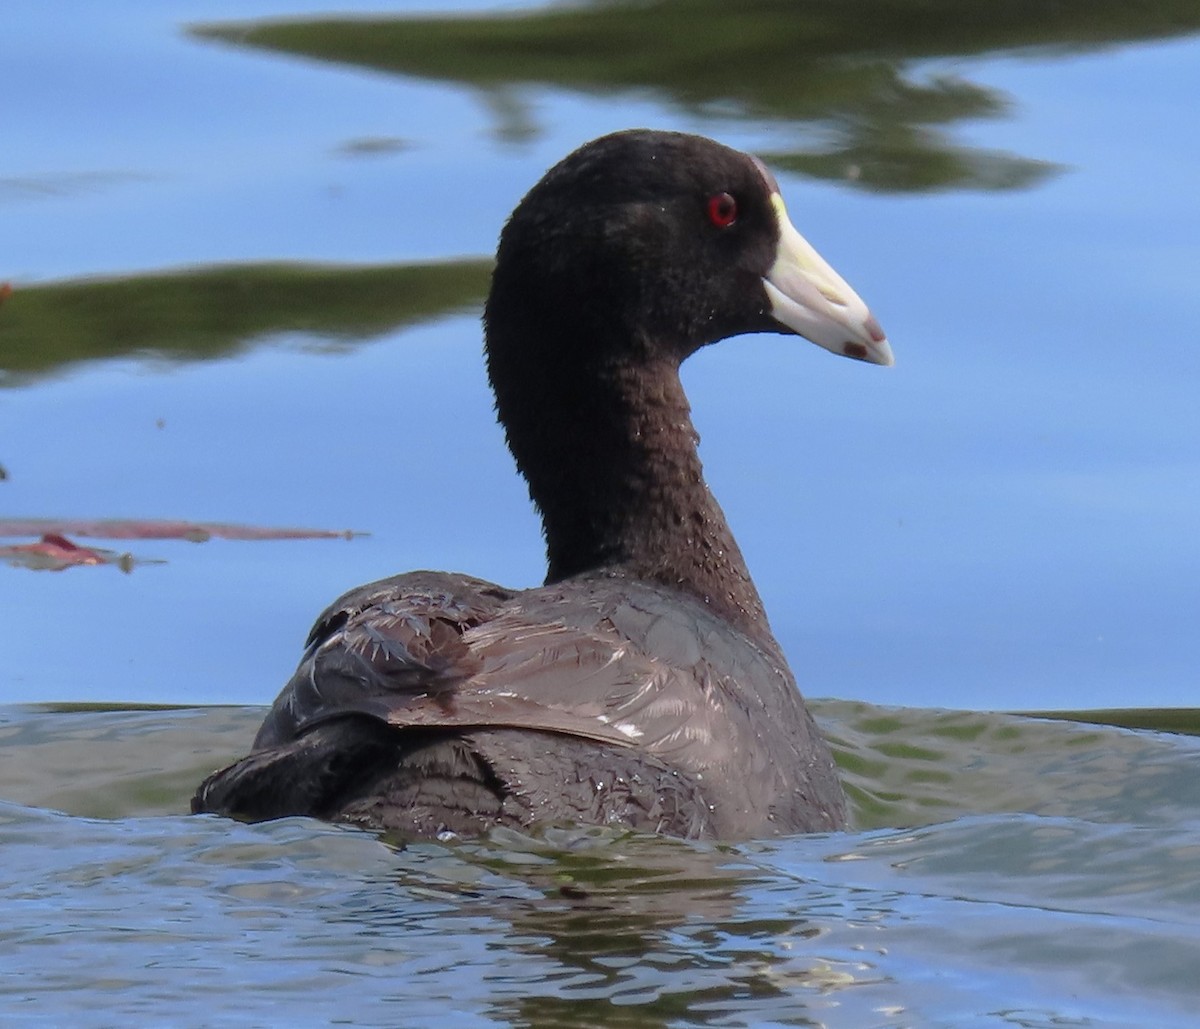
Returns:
point(646, 245)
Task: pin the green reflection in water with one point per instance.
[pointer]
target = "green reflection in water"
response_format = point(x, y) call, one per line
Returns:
point(849, 74)
point(902, 767)
point(624, 930)
point(211, 312)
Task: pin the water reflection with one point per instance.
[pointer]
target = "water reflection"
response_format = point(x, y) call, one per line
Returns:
point(850, 76)
point(630, 931)
point(902, 767)
point(210, 312)
point(591, 927)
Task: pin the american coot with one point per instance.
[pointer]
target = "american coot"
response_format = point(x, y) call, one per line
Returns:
point(641, 685)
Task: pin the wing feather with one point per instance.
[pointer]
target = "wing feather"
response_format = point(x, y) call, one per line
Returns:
point(617, 662)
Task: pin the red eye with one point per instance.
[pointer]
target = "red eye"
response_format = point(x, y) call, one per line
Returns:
point(722, 210)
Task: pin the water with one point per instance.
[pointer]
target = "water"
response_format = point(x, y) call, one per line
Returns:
point(1046, 876)
point(247, 265)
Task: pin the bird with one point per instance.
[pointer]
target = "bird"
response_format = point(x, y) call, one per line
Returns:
point(639, 687)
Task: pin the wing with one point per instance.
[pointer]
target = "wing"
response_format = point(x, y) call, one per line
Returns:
point(409, 651)
point(389, 644)
point(607, 659)
point(659, 669)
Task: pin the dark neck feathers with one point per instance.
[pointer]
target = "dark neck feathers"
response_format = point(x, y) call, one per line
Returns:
point(609, 452)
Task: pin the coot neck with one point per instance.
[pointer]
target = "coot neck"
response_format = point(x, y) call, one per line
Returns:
point(610, 455)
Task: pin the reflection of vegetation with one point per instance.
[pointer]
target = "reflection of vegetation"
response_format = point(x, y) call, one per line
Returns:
point(1182, 720)
point(846, 68)
point(213, 311)
point(623, 918)
point(914, 160)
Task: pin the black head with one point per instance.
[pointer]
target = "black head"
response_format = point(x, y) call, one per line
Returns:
point(648, 245)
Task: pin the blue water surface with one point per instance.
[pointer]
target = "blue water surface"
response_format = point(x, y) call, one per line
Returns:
point(1006, 519)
